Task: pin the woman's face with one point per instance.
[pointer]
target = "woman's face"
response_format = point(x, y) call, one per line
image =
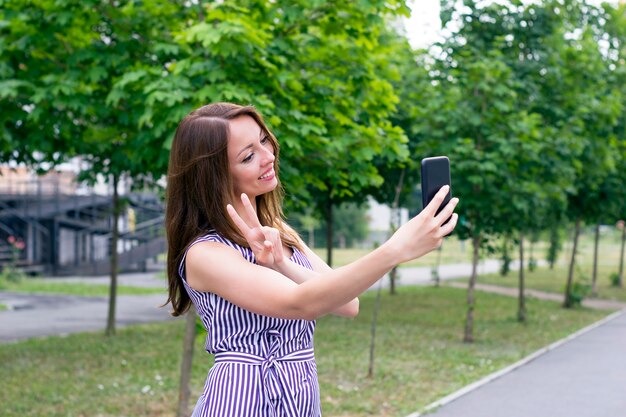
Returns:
point(250, 158)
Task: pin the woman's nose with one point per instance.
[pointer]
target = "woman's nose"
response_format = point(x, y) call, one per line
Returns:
point(268, 156)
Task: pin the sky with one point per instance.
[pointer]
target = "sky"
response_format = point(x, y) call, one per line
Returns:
point(424, 23)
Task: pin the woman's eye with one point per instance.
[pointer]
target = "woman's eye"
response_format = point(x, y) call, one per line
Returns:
point(264, 140)
point(247, 158)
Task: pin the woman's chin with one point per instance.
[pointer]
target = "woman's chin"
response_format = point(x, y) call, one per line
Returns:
point(265, 188)
point(270, 185)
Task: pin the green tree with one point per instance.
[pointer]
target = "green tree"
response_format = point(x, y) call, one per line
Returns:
point(114, 145)
point(591, 106)
point(417, 98)
point(64, 83)
point(616, 182)
point(314, 69)
point(41, 93)
point(561, 82)
point(490, 140)
point(539, 159)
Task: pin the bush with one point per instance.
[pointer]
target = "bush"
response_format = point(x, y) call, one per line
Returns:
point(614, 277)
point(580, 289)
point(10, 275)
point(556, 244)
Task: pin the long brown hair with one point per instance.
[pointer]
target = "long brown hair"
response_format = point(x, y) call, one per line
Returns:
point(199, 187)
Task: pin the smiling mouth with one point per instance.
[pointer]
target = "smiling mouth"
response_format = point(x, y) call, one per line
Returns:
point(267, 175)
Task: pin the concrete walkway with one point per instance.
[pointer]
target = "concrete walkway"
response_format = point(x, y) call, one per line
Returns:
point(542, 295)
point(39, 315)
point(423, 275)
point(583, 377)
point(36, 315)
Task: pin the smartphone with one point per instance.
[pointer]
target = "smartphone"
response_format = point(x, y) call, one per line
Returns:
point(435, 174)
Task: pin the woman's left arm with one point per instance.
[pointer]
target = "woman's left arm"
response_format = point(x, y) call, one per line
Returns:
point(267, 247)
point(299, 274)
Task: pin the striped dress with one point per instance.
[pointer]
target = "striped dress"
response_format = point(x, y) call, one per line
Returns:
point(264, 366)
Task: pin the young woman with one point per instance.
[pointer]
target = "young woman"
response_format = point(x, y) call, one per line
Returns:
point(254, 283)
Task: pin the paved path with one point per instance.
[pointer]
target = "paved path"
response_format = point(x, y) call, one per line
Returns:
point(513, 292)
point(35, 315)
point(32, 315)
point(45, 315)
point(584, 377)
point(140, 279)
point(422, 275)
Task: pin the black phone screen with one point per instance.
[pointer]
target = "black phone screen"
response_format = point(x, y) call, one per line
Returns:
point(435, 174)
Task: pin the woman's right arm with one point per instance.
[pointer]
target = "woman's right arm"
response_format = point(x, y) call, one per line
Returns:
point(222, 270)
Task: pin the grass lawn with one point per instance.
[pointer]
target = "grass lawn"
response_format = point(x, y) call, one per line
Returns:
point(3, 307)
point(545, 279)
point(419, 358)
point(37, 285)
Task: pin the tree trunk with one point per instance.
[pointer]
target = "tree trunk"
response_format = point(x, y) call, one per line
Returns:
point(110, 329)
point(594, 276)
point(553, 251)
point(505, 268)
point(532, 264)
point(394, 220)
point(620, 274)
point(469, 320)
point(184, 391)
point(434, 273)
point(392, 280)
point(521, 311)
point(568, 303)
point(370, 369)
point(311, 236)
point(329, 233)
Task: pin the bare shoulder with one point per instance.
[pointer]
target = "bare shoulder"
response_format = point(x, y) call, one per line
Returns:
point(220, 269)
point(208, 248)
point(205, 261)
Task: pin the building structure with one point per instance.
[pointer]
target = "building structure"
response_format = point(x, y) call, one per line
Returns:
point(65, 226)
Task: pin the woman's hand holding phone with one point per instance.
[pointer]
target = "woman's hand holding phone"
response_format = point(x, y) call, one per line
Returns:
point(425, 232)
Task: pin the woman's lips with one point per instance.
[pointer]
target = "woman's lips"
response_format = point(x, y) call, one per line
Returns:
point(268, 175)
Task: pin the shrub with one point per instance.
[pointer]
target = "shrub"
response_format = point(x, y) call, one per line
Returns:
point(580, 289)
point(532, 264)
point(614, 277)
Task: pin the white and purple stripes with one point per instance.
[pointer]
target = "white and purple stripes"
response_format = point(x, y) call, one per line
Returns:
point(264, 366)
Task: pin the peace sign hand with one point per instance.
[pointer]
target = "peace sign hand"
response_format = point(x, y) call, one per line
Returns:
point(263, 240)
